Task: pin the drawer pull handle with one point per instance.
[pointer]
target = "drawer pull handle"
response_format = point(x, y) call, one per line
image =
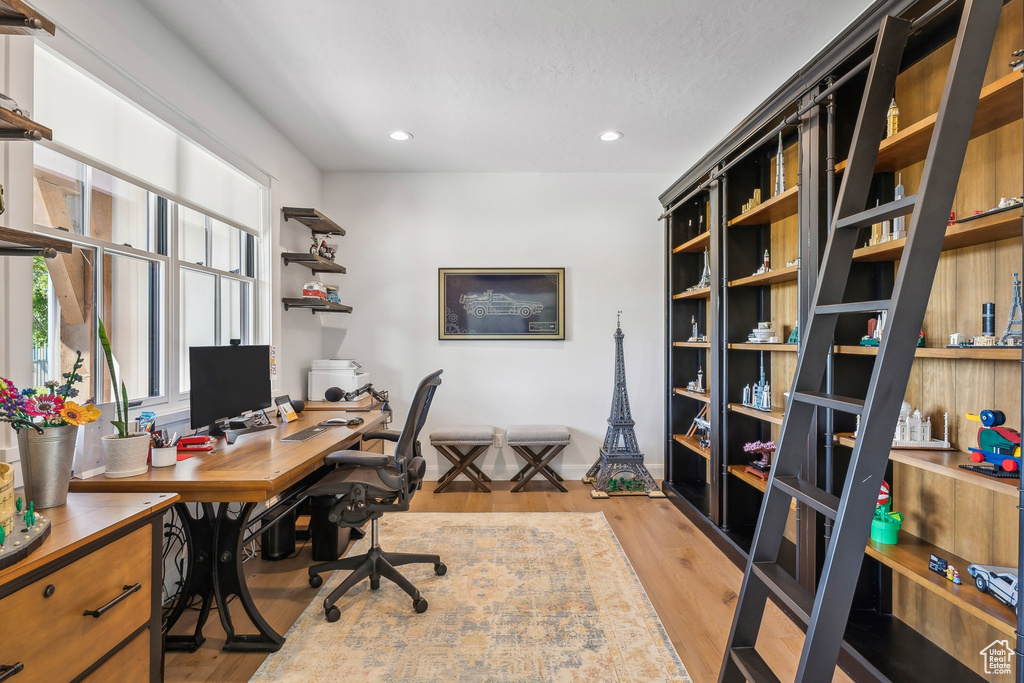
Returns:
point(9, 671)
point(97, 613)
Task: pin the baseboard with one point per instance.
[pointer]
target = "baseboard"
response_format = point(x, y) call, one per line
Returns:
point(503, 473)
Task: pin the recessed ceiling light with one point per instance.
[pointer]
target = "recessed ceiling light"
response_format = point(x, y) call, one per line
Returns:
point(401, 135)
point(610, 136)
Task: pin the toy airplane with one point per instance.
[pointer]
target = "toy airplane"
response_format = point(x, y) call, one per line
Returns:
point(996, 444)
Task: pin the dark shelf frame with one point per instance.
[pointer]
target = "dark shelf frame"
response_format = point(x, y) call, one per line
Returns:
point(314, 220)
point(316, 264)
point(315, 305)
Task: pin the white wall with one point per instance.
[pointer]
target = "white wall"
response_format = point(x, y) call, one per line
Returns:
point(602, 228)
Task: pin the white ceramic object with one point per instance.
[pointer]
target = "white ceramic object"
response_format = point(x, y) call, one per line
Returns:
point(126, 457)
point(165, 457)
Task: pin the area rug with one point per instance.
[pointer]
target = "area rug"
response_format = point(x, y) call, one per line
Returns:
point(527, 597)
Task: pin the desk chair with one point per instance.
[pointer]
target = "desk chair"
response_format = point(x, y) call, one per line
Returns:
point(365, 486)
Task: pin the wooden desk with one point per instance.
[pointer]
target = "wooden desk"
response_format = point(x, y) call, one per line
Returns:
point(258, 468)
point(101, 547)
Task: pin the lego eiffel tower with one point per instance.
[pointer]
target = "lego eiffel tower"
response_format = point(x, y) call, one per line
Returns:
point(620, 470)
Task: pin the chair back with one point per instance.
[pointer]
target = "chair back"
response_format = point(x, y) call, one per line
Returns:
point(406, 448)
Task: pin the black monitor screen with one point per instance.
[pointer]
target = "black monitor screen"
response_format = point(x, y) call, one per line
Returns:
point(227, 381)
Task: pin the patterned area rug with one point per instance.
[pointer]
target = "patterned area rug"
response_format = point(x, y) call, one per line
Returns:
point(527, 597)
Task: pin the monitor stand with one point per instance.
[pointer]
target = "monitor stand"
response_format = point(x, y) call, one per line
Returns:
point(231, 435)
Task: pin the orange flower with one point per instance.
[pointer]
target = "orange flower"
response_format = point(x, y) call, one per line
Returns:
point(75, 414)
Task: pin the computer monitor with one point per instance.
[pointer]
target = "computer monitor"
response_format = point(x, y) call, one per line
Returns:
point(226, 382)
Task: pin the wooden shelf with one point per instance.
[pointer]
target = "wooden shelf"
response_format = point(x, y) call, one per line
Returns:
point(909, 558)
point(1000, 103)
point(316, 264)
point(775, 416)
point(32, 243)
point(17, 127)
point(971, 352)
point(992, 228)
point(740, 472)
point(18, 18)
point(692, 345)
point(693, 445)
point(314, 220)
point(703, 293)
point(705, 398)
point(773, 277)
point(946, 463)
point(749, 346)
point(698, 243)
point(775, 209)
point(315, 305)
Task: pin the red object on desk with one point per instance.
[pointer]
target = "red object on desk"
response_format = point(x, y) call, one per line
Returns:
point(190, 444)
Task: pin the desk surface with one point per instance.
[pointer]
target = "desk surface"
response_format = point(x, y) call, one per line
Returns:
point(255, 468)
point(85, 518)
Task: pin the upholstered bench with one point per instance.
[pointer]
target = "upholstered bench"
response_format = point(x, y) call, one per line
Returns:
point(537, 445)
point(462, 445)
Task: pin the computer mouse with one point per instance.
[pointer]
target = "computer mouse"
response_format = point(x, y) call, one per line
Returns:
point(343, 421)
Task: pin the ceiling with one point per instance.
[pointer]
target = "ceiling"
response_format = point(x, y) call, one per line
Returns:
point(505, 85)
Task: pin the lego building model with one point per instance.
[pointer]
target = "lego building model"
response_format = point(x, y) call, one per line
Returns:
point(766, 266)
point(1012, 334)
point(761, 467)
point(764, 333)
point(758, 397)
point(780, 170)
point(697, 385)
point(705, 276)
point(696, 336)
point(914, 430)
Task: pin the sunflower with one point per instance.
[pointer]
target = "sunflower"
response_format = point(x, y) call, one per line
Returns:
point(75, 414)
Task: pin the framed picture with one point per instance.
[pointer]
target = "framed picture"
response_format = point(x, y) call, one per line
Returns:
point(501, 303)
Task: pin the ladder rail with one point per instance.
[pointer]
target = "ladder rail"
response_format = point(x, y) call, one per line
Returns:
point(911, 292)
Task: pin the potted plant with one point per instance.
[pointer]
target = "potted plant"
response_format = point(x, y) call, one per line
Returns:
point(47, 421)
point(125, 453)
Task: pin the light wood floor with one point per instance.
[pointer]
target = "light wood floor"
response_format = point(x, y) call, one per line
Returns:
point(692, 585)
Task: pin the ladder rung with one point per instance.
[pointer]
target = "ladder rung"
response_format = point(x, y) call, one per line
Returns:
point(820, 500)
point(782, 583)
point(854, 307)
point(854, 406)
point(877, 214)
point(752, 666)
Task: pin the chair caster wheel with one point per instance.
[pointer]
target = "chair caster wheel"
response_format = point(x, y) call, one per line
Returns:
point(420, 605)
point(315, 580)
point(374, 585)
point(333, 614)
point(440, 569)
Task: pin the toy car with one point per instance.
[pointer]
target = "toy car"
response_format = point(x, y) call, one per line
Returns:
point(996, 444)
point(1000, 582)
point(488, 303)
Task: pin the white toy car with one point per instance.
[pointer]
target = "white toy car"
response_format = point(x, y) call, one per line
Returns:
point(1001, 582)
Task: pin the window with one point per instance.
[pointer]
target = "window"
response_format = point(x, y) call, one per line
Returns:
point(146, 265)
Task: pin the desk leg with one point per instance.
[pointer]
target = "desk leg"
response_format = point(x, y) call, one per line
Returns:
point(229, 580)
point(197, 575)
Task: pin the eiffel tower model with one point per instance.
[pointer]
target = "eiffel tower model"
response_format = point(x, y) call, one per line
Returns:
point(1014, 325)
point(620, 470)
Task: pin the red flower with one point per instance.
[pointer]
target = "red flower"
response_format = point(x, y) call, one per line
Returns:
point(46, 406)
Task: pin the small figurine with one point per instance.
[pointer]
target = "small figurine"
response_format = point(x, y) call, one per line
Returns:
point(780, 170)
point(794, 336)
point(949, 572)
point(996, 444)
point(1012, 333)
point(876, 328)
point(956, 577)
point(886, 525)
point(892, 119)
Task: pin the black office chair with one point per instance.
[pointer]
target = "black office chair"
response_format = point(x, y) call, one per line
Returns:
point(366, 485)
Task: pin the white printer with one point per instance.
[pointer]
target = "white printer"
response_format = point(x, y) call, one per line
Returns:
point(344, 374)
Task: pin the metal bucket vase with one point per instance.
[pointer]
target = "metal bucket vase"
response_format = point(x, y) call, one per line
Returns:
point(126, 457)
point(46, 461)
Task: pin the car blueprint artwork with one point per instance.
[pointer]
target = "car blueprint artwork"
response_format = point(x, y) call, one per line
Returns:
point(501, 303)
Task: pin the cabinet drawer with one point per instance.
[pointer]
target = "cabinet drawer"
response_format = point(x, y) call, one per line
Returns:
point(129, 665)
point(53, 637)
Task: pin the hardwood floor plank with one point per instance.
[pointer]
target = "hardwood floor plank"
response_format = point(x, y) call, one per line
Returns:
point(691, 584)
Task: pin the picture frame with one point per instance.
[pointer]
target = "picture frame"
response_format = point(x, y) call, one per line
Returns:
point(501, 303)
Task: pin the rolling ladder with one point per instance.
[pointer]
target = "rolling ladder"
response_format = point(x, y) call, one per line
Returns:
point(826, 611)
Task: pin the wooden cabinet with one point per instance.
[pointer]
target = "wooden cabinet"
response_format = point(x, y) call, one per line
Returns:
point(902, 610)
point(89, 599)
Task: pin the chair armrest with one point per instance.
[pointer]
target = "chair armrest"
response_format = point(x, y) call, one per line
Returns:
point(383, 434)
point(361, 458)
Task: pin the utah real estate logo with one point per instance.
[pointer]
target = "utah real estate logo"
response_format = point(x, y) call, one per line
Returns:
point(998, 657)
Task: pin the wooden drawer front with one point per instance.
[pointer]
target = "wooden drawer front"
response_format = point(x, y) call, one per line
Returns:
point(129, 665)
point(52, 637)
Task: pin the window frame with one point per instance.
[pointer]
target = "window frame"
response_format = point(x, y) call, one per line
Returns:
point(253, 252)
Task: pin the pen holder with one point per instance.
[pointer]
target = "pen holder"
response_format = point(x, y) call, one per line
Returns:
point(165, 457)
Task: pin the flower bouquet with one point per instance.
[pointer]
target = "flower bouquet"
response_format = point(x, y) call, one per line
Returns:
point(47, 421)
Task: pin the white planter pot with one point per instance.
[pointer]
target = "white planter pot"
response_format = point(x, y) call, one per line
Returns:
point(126, 457)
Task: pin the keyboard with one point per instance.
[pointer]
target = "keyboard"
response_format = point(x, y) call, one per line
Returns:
point(307, 433)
